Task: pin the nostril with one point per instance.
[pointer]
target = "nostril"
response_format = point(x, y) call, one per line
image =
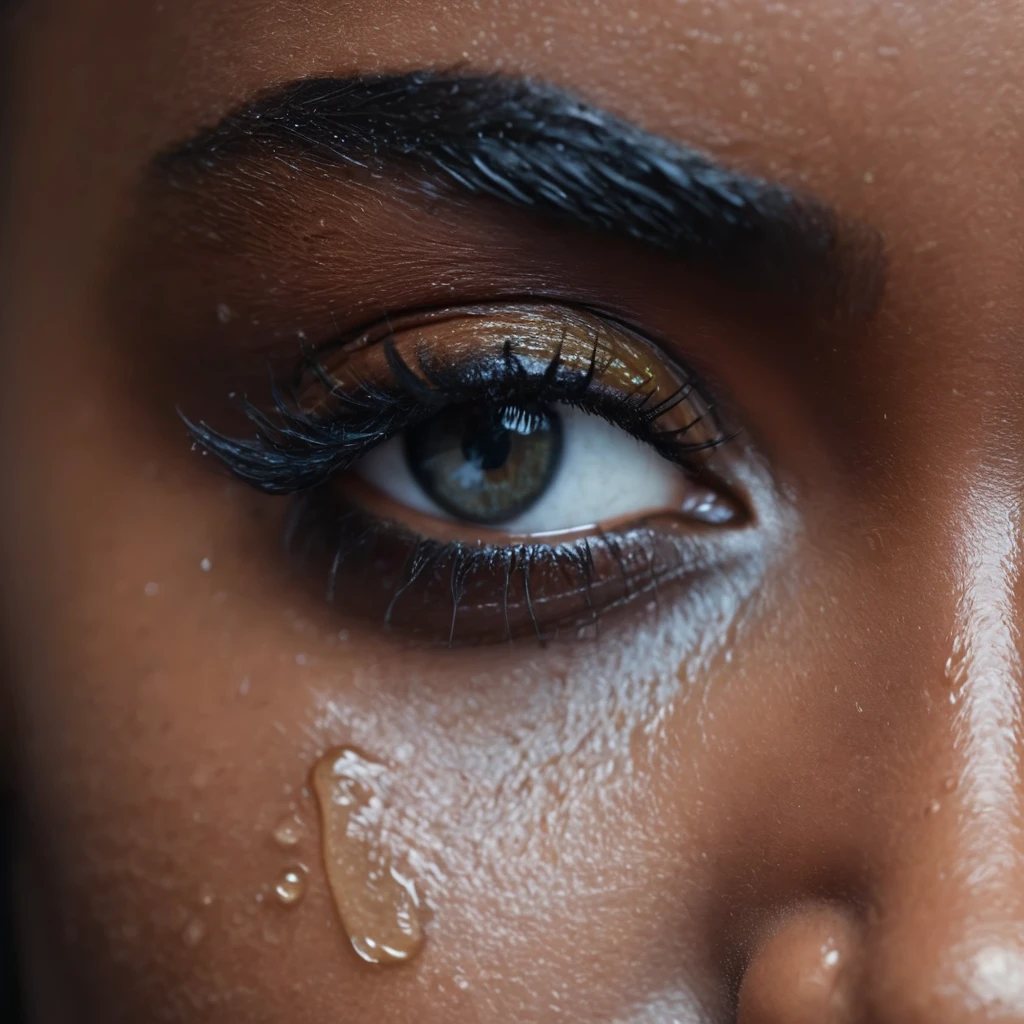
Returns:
point(803, 971)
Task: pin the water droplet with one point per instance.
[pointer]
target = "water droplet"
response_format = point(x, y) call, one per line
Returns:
point(244, 686)
point(152, 589)
point(461, 982)
point(207, 895)
point(206, 565)
point(950, 784)
point(378, 904)
point(291, 887)
point(224, 312)
point(287, 833)
point(933, 807)
point(193, 933)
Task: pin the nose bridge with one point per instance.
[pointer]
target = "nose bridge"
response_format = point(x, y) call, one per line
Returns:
point(984, 670)
point(948, 942)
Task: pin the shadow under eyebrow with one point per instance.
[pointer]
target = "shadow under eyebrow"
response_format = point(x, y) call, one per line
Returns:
point(542, 150)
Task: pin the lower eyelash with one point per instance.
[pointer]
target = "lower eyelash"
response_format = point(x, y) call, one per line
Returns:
point(451, 593)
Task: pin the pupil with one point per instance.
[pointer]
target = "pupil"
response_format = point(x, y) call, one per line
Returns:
point(486, 444)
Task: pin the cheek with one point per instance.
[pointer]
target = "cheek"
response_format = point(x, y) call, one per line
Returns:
point(522, 800)
point(526, 804)
point(548, 805)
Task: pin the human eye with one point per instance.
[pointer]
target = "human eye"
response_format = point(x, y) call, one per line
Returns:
point(485, 473)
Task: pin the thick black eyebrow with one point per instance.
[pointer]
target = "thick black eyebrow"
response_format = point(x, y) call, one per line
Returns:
point(541, 149)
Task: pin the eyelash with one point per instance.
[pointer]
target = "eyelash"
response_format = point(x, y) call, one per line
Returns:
point(295, 450)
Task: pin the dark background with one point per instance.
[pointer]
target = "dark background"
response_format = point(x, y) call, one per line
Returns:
point(10, 1008)
point(10, 1005)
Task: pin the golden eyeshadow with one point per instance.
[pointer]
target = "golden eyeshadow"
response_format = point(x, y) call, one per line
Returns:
point(487, 344)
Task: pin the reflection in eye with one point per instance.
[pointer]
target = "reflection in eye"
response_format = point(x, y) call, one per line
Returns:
point(484, 463)
point(482, 473)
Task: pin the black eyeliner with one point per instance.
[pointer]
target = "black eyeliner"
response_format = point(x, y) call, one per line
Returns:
point(293, 450)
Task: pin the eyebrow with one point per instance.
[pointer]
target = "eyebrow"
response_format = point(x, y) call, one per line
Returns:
point(540, 149)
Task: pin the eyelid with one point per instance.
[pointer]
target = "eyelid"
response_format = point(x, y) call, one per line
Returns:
point(473, 350)
point(357, 391)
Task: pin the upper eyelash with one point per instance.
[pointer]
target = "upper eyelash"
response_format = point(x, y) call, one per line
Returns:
point(294, 450)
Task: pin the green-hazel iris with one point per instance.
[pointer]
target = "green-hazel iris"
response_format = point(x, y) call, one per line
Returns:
point(486, 463)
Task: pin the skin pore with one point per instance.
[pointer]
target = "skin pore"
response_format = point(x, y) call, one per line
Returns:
point(784, 786)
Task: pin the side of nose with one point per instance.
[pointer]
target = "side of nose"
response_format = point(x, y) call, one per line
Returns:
point(940, 935)
point(947, 943)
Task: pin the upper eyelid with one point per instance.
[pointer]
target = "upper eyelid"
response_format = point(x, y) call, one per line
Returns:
point(390, 322)
point(295, 449)
point(384, 329)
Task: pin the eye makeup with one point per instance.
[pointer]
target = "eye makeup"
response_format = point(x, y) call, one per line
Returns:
point(480, 398)
point(355, 393)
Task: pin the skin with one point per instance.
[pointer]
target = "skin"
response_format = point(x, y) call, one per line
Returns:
point(804, 804)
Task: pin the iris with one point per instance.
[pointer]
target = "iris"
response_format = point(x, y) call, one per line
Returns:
point(486, 463)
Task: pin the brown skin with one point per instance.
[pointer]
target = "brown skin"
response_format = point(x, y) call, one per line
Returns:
point(839, 772)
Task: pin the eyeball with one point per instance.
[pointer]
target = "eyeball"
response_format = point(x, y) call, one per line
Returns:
point(530, 469)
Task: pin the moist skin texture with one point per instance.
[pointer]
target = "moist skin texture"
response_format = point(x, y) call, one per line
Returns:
point(377, 902)
point(791, 793)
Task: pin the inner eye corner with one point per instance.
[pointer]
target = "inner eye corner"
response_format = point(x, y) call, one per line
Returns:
point(719, 478)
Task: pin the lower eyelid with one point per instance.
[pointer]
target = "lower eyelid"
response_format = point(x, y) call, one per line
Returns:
point(450, 590)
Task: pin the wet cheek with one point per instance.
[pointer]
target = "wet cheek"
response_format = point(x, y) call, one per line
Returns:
point(519, 820)
point(496, 824)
